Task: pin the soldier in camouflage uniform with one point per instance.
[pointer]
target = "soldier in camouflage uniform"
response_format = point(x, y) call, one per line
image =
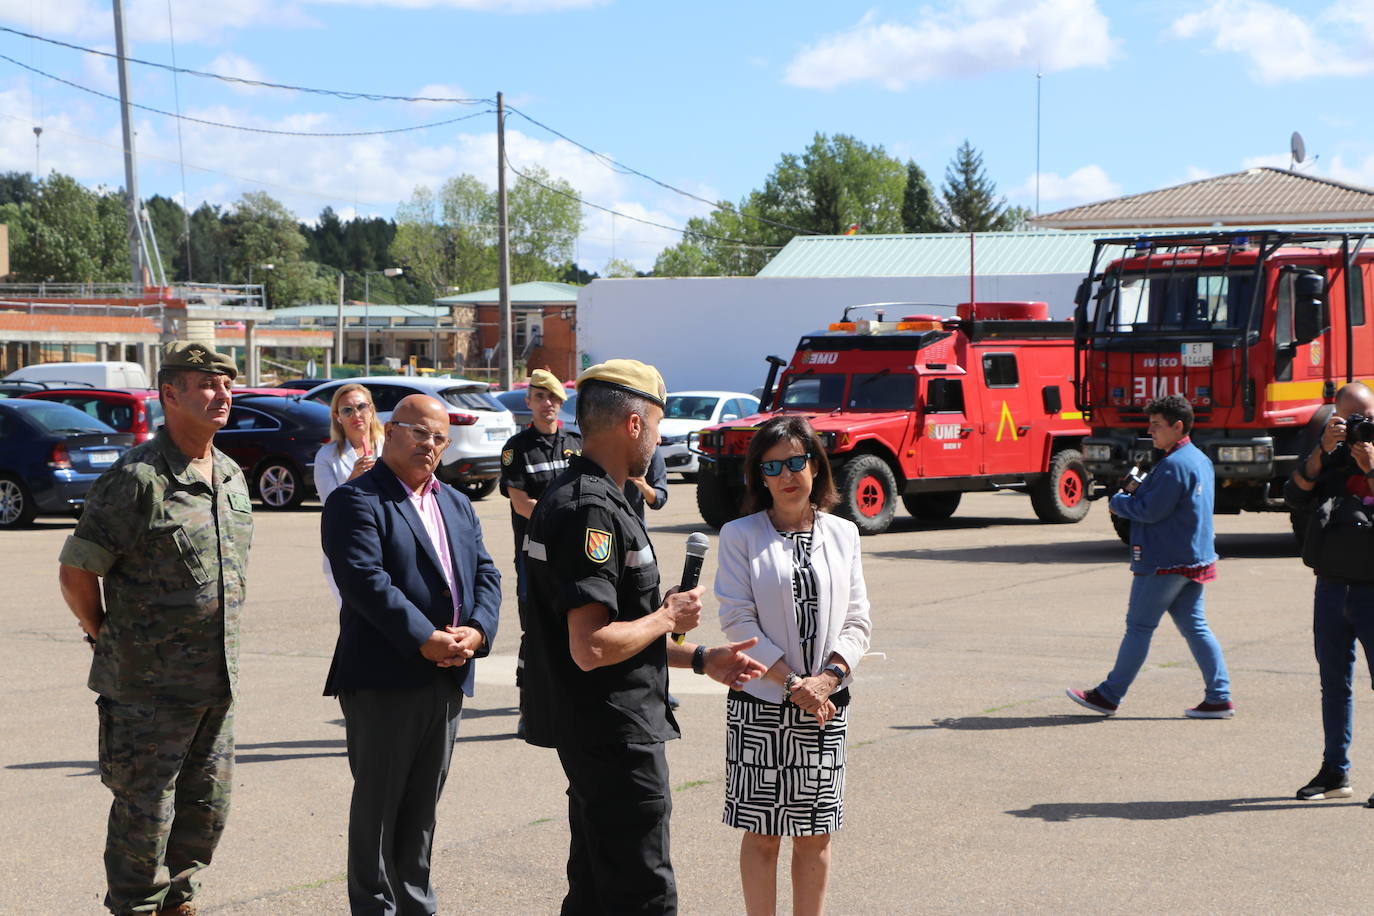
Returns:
point(168, 528)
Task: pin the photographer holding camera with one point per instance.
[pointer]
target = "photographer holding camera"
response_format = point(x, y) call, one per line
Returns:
point(1332, 485)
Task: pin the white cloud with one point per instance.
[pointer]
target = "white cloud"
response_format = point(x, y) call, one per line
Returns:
point(1360, 171)
point(1274, 160)
point(973, 38)
point(1282, 45)
point(479, 6)
point(147, 20)
point(238, 67)
point(1085, 185)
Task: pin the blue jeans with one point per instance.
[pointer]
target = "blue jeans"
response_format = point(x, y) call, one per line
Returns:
point(1151, 596)
point(1340, 614)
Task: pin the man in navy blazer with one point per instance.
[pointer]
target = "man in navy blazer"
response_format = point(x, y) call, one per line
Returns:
point(421, 598)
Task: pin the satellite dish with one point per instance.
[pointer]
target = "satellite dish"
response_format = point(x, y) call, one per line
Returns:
point(1298, 148)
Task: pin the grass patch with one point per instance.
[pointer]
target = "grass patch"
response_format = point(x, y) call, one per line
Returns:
point(692, 785)
point(536, 822)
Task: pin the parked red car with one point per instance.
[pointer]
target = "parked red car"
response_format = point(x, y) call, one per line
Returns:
point(137, 411)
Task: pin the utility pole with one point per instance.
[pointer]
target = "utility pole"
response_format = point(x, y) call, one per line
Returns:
point(130, 169)
point(339, 328)
point(503, 247)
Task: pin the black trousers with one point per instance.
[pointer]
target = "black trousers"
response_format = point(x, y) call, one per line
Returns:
point(619, 803)
point(399, 746)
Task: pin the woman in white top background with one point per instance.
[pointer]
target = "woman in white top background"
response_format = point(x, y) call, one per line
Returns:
point(355, 438)
point(790, 576)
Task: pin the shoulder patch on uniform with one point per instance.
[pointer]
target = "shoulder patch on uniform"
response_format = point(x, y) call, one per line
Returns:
point(508, 456)
point(598, 545)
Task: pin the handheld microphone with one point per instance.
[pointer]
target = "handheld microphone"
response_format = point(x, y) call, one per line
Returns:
point(697, 545)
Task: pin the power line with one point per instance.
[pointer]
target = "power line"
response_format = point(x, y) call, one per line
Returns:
point(337, 93)
point(648, 222)
point(242, 127)
point(625, 169)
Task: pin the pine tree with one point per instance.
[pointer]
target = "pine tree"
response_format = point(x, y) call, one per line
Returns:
point(970, 198)
point(919, 210)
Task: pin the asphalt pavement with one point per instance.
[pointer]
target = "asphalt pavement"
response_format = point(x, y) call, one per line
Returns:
point(973, 785)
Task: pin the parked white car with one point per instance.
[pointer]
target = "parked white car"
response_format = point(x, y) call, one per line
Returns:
point(478, 424)
point(688, 411)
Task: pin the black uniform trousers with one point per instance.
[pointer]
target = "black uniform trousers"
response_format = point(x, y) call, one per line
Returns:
point(399, 746)
point(619, 803)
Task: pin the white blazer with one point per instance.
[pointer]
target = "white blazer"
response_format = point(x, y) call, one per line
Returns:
point(754, 588)
point(332, 467)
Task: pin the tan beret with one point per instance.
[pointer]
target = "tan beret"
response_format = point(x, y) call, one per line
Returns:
point(543, 378)
point(193, 354)
point(628, 375)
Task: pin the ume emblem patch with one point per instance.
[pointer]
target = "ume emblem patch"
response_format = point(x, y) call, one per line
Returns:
point(598, 545)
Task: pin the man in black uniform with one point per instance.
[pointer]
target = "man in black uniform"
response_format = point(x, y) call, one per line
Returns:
point(598, 644)
point(530, 460)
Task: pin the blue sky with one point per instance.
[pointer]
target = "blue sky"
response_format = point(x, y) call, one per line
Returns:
point(704, 96)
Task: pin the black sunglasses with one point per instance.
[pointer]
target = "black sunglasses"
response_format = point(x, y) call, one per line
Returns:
point(793, 464)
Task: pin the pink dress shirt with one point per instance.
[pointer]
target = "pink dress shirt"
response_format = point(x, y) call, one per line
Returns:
point(426, 503)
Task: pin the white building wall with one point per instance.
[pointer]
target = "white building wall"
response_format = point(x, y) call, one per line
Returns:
point(714, 332)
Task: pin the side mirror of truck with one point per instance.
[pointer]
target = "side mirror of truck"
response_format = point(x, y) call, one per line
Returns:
point(1309, 311)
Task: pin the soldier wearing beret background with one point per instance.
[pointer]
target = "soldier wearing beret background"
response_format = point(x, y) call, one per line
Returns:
point(530, 460)
point(598, 647)
point(168, 528)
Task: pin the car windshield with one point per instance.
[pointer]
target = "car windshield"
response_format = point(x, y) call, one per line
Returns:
point(470, 398)
point(689, 407)
point(59, 418)
point(154, 406)
point(883, 391)
point(818, 391)
point(1182, 301)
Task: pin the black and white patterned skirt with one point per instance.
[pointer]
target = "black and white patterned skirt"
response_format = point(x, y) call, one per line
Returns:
point(784, 775)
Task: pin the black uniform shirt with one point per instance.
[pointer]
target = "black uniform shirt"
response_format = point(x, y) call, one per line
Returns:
point(530, 461)
point(586, 545)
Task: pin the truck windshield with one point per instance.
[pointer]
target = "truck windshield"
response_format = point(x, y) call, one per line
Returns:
point(1176, 301)
point(822, 391)
point(883, 391)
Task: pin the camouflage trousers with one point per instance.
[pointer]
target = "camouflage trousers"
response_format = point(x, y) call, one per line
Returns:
point(170, 769)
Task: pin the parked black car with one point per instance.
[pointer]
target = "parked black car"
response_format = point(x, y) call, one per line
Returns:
point(302, 384)
point(50, 454)
point(274, 439)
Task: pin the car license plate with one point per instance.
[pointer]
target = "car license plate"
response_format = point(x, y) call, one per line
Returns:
point(498, 434)
point(105, 457)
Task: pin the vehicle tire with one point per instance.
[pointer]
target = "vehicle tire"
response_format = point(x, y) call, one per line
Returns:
point(17, 507)
point(477, 489)
point(717, 501)
point(868, 493)
point(279, 485)
point(1061, 496)
point(1123, 528)
point(932, 507)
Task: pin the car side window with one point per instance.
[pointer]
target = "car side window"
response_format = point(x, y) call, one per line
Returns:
point(386, 397)
point(241, 418)
point(945, 395)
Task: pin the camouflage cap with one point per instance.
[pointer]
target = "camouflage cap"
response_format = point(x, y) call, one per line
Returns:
point(628, 375)
point(192, 354)
point(543, 378)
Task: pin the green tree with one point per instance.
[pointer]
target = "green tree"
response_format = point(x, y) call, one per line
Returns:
point(837, 182)
point(68, 234)
point(261, 231)
point(545, 218)
point(970, 198)
point(209, 246)
point(169, 228)
point(920, 213)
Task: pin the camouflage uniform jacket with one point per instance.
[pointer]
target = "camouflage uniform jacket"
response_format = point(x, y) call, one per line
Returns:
point(173, 553)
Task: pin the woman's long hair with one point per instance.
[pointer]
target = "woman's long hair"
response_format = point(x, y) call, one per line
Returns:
point(798, 431)
point(336, 431)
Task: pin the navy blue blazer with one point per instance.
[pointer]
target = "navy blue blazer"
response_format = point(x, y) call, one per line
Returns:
point(393, 589)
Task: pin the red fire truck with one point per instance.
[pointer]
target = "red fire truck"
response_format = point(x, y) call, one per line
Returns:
point(1257, 329)
point(923, 410)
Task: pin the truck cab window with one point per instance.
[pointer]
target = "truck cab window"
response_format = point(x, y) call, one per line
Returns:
point(999, 370)
point(823, 391)
point(945, 395)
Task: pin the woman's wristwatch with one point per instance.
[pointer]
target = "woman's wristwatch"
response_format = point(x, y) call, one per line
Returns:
point(840, 674)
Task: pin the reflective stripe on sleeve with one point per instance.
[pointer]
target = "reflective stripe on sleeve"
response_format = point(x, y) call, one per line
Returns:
point(644, 556)
point(545, 466)
point(535, 550)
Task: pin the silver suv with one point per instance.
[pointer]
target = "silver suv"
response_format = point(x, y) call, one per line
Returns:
point(478, 424)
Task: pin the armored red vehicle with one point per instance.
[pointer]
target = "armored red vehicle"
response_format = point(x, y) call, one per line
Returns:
point(923, 410)
point(1256, 328)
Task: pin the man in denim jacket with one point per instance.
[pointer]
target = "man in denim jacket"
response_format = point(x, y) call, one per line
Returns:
point(1337, 470)
point(1172, 556)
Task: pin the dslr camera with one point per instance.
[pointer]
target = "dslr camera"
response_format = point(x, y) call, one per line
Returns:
point(1359, 428)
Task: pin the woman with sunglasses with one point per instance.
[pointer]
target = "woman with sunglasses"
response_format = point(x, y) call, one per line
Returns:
point(790, 576)
point(355, 438)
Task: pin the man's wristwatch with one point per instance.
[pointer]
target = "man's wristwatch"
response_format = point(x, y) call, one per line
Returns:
point(699, 660)
point(838, 672)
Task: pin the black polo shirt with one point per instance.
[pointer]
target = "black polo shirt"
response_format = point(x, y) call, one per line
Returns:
point(586, 545)
point(530, 461)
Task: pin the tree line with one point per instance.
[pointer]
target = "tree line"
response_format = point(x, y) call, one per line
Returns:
point(444, 238)
point(835, 184)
